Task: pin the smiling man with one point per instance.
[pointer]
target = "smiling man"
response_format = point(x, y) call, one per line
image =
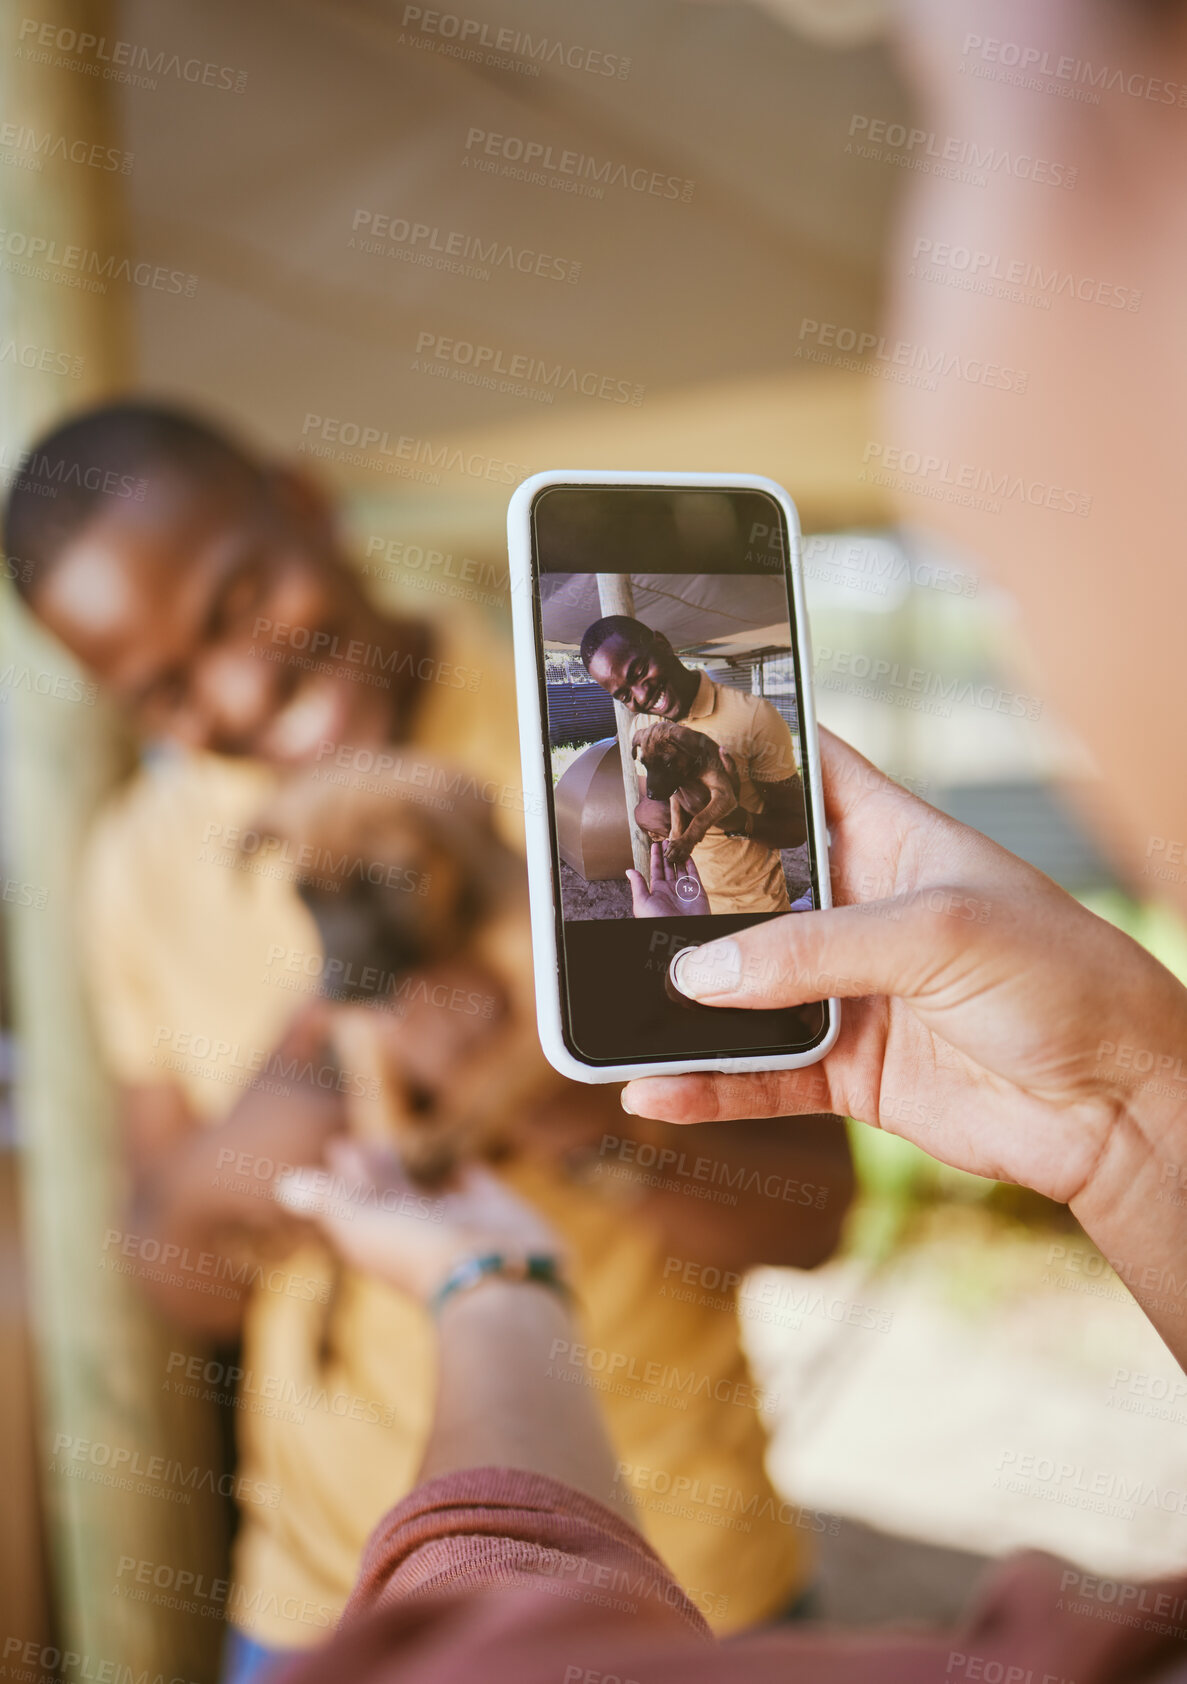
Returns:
point(207, 595)
point(210, 593)
point(738, 859)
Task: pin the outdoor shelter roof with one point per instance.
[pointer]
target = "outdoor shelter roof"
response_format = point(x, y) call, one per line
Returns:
point(722, 613)
point(318, 321)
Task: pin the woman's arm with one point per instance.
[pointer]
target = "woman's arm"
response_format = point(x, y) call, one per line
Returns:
point(503, 1401)
point(988, 1017)
point(1134, 1205)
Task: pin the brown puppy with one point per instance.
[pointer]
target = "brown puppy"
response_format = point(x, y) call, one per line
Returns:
point(697, 778)
point(422, 913)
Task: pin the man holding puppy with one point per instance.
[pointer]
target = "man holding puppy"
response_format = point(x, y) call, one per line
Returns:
point(738, 859)
point(215, 601)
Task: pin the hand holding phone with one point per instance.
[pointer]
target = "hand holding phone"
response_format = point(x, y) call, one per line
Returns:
point(988, 1006)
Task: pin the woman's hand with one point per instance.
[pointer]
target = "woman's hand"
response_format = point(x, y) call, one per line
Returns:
point(671, 892)
point(382, 1224)
point(501, 1402)
point(983, 1004)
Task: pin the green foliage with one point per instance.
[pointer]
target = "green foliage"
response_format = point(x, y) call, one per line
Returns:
point(896, 1183)
point(563, 755)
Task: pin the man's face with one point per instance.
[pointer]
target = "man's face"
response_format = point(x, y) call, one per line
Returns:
point(219, 615)
point(646, 677)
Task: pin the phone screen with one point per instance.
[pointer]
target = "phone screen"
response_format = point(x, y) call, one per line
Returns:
point(670, 682)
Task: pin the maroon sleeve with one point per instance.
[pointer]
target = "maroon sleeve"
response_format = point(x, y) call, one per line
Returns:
point(588, 1597)
point(491, 1528)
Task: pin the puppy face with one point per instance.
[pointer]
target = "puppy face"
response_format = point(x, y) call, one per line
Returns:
point(666, 761)
point(393, 886)
point(382, 914)
point(419, 907)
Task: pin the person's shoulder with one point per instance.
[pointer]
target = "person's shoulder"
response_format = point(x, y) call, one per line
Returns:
point(758, 728)
point(757, 711)
point(766, 716)
point(170, 799)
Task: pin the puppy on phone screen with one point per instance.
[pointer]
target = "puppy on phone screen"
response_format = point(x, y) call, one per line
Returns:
point(697, 778)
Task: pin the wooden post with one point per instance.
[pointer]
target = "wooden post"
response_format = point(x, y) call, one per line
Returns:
point(102, 1355)
point(616, 596)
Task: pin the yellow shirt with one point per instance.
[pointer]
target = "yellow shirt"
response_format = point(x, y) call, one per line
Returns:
point(740, 875)
point(336, 1400)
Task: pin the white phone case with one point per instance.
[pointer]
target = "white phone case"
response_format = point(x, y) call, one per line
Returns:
point(544, 893)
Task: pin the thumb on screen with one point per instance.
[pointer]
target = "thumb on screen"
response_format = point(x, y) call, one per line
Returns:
point(846, 952)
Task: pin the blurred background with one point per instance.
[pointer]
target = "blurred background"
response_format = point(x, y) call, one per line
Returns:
point(343, 223)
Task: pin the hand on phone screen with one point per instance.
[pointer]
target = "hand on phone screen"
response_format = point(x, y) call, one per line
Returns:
point(672, 891)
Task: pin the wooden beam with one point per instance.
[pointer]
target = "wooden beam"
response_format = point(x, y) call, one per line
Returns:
point(616, 595)
point(102, 1356)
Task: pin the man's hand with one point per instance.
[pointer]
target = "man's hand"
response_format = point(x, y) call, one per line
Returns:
point(209, 1190)
point(738, 822)
point(654, 818)
point(783, 822)
point(671, 893)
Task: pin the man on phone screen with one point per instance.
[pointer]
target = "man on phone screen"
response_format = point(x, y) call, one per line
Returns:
point(739, 860)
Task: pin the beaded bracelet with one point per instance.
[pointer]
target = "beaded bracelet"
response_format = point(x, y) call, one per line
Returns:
point(472, 1271)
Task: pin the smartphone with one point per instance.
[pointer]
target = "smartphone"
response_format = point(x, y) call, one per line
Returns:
point(663, 676)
